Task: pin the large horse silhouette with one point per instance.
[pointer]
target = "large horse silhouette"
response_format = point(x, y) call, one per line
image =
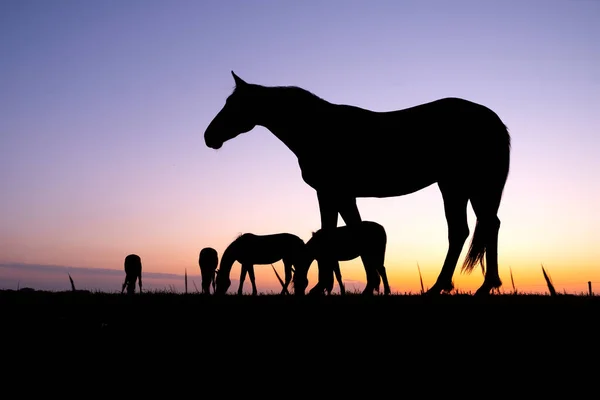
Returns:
point(366, 240)
point(345, 152)
point(208, 261)
point(133, 272)
point(249, 249)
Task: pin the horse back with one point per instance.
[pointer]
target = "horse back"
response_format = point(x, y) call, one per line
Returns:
point(383, 154)
point(267, 249)
point(133, 265)
point(348, 242)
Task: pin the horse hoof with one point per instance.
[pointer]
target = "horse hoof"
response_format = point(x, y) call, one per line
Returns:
point(485, 291)
point(437, 290)
point(487, 287)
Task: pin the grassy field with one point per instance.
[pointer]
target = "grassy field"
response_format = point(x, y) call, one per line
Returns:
point(97, 311)
point(331, 333)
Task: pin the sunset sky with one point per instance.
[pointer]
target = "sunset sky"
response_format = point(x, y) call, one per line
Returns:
point(103, 107)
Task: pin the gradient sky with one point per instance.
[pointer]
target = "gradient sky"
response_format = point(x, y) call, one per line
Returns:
point(103, 107)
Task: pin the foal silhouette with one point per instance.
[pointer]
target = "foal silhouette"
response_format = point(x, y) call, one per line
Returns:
point(133, 272)
point(345, 152)
point(366, 240)
point(208, 260)
point(249, 249)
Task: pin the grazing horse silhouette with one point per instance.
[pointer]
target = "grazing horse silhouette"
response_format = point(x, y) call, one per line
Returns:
point(366, 239)
point(133, 272)
point(250, 249)
point(208, 261)
point(345, 152)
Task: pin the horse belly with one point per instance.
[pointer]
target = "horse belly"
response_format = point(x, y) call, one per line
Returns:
point(372, 178)
point(389, 179)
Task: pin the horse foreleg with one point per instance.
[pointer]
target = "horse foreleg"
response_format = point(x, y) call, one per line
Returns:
point(328, 277)
point(328, 210)
point(325, 274)
point(373, 281)
point(348, 210)
point(287, 268)
point(242, 278)
point(338, 277)
point(455, 208)
point(252, 279)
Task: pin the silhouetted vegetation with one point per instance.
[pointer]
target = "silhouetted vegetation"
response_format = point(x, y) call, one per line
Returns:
point(98, 310)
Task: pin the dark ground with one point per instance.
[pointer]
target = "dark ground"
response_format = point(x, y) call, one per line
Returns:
point(270, 339)
point(105, 314)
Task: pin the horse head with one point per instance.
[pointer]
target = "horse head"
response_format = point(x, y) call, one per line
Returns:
point(236, 117)
point(300, 277)
point(222, 283)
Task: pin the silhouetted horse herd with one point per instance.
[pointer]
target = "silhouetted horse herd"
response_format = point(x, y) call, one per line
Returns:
point(366, 240)
point(345, 152)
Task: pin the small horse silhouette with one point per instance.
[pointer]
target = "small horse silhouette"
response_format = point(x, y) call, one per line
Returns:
point(208, 261)
point(366, 239)
point(345, 152)
point(249, 249)
point(133, 272)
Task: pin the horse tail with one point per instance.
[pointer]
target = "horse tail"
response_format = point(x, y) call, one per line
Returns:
point(476, 251)
point(486, 202)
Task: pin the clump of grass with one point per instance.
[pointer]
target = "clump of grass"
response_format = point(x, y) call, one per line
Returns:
point(73, 286)
point(185, 280)
point(421, 279)
point(512, 281)
point(72, 283)
point(549, 282)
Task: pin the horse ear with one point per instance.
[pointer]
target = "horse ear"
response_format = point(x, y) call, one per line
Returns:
point(238, 81)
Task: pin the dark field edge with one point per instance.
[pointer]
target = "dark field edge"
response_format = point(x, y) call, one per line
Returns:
point(158, 331)
point(98, 311)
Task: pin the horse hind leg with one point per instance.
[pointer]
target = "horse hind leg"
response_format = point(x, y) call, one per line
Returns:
point(485, 240)
point(386, 285)
point(455, 208)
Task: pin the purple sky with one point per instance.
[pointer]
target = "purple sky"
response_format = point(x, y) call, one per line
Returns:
point(103, 106)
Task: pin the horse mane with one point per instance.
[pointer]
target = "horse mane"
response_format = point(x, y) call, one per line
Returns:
point(297, 92)
point(239, 235)
point(294, 94)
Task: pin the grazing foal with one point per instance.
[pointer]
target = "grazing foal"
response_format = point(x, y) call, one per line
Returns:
point(208, 262)
point(133, 272)
point(250, 249)
point(367, 240)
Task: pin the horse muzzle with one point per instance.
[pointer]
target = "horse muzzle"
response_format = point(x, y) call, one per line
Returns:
point(213, 144)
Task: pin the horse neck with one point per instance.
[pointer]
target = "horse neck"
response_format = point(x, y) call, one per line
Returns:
point(229, 257)
point(290, 123)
